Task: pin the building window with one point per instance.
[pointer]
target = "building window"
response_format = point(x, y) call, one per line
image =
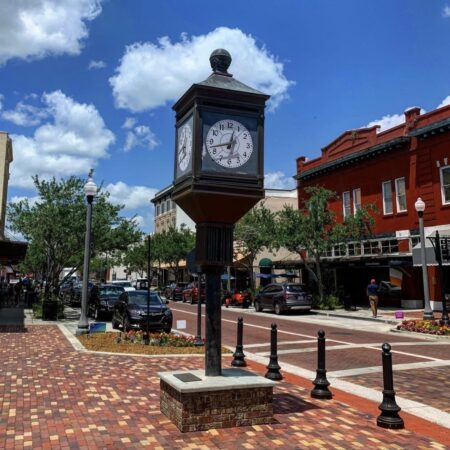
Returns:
point(400, 192)
point(387, 198)
point(371, 248)
point(340, 250)
point(157, 209)
point(389, 246)
point(346, 204)
point(356, 200)
point(354, 249)
point(445, 185)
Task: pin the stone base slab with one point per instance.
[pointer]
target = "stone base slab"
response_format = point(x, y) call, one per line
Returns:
point(195, 402)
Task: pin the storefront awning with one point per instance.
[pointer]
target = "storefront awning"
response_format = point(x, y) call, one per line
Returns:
point(265, 262)
point(429, 251)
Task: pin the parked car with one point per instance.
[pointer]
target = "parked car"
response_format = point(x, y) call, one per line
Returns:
point(130, 312)
point(73, 295)
point(177, 291)
point(65, 288)
point(102, 299)
point(387, 289)
point(283, 297)
point(241, 298)
point(124, 283)
point(190, 294)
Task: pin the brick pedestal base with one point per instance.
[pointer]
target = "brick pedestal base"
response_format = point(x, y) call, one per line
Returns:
point(196, 408)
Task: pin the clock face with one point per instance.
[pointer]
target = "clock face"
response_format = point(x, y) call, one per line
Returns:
point(184, 152)
point(229, 143)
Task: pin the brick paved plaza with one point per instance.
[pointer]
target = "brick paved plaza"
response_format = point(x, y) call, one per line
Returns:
point(53, 397)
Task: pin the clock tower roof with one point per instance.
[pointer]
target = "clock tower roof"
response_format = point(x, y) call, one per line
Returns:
point(220, 81)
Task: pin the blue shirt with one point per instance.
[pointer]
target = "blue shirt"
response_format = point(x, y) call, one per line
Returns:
point(372, 289)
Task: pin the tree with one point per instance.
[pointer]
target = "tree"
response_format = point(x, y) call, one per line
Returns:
point(55, 227)
point(175, 245)
point(255, 231)
point(312, 229)
point(168, 247)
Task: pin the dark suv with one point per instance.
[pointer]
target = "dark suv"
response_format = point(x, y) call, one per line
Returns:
point(177, 291)
point(102, 299)
point(130, 311)
point(283, 297)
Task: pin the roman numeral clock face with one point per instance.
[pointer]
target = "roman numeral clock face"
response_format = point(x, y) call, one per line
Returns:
point(184, 146)
point(229, 143)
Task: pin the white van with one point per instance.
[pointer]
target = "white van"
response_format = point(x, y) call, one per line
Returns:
point(124, 283)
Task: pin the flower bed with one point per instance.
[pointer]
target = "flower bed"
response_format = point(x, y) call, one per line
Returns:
point(133, 342)
point(435, 327)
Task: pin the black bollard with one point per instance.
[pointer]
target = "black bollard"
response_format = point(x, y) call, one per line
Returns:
point(238, 355)
point(389, 417)
point(321, 383)
point(273, 372)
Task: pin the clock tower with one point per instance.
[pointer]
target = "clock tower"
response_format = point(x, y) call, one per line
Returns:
point(218, 175)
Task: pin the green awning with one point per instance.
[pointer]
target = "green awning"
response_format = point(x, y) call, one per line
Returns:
point(265, 262)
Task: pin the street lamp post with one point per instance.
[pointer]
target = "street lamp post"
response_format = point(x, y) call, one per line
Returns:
point(149, 278)
point(90, 189)
point(427, 312)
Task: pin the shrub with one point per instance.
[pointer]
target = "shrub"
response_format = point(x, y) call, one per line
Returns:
point(329, 302)
point(436, 327)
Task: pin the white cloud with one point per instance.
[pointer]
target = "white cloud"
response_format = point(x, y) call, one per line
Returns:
point(37, 28)
point(142, 136)
point(96, 65)
point(70, 144)
point(139, 221)
point(129, 123)
point(387, 121)
point(390, 121)
point(446, 11)
point(130, 196)
point(31, 200)
point(445, 102)
point(25, 115)
point(138, 135)
point(278, 180)
point(150, 75)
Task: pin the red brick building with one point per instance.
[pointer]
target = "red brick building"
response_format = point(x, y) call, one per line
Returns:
point(390, 169)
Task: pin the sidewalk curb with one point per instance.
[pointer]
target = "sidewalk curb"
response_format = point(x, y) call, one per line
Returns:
point(348, 316)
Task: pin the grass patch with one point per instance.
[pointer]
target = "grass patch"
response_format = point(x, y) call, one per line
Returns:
point(133, 342)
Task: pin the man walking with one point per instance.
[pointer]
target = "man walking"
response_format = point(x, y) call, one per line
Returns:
point(372, 293)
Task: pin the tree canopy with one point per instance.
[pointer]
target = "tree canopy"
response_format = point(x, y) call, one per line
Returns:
point(254, 232)
point(312, 229)
point(55, 226)
point(168, 247)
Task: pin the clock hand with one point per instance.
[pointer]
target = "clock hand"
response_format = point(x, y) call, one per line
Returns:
point(231, 141)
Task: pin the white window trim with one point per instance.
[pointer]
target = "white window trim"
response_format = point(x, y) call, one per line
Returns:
point(397, 204)
point(354, 200)
point(343, 204)
point(384, 204)
point(441, 170)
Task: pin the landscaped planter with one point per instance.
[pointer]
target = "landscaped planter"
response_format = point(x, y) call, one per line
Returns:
point(49, 310)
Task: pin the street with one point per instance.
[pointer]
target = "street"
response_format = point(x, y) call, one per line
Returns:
point(353, 355)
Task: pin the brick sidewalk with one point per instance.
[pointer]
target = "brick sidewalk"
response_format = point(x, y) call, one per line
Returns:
point(53, 397)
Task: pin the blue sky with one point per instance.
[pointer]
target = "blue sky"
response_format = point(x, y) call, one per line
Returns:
point(90, 83)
